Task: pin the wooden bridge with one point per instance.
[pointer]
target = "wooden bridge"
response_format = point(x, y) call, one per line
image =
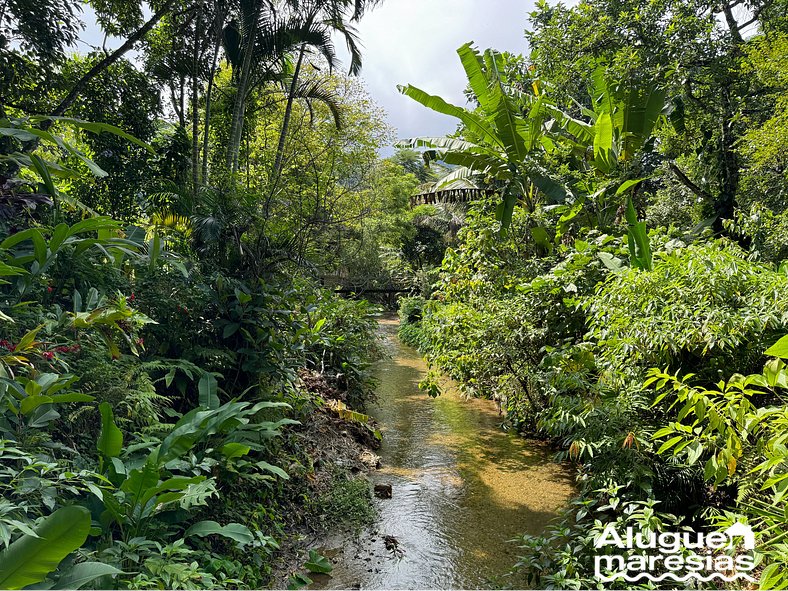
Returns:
point(382, 295)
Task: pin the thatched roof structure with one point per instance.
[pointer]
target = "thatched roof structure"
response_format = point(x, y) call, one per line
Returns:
point(431, 195)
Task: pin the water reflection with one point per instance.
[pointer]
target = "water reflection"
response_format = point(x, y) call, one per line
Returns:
point(461, 488)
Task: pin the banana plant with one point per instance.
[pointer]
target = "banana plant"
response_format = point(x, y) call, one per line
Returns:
point(33, 251)
point(620, 122)
point(503, 138)
point(32, 401)
point(619, 125)
point(144, 487)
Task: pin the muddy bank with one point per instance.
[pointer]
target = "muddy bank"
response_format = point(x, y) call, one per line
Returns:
point(329, 487)
point(461, 488)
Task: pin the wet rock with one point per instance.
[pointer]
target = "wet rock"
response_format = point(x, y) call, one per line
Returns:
point(391, 542)
point(369, 459)
point(383, 491)
point(393, 546)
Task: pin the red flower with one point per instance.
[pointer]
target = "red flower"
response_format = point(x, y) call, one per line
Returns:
point(132, 297)
point(140, 341)
point(48, 355)
point(49, 289)
point(67, 348)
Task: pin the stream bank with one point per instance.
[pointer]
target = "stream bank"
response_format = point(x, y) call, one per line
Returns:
point(461, 489)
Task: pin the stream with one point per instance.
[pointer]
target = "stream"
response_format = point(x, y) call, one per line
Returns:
point(461, 488)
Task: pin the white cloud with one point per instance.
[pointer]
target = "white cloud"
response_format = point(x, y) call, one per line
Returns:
point(415, 42)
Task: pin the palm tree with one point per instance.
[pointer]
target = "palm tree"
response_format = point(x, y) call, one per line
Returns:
point(258, 42)
point(327, 16)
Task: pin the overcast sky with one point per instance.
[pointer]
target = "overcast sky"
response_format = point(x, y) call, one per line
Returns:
point(415, 41)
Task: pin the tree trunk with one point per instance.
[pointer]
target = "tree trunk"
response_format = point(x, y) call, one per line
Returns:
point(182, 100)
point(208, 95)
point(195, 103)
point(729, 166)
point(236, 126)
point(108, 61)
point(732, 23)
point(280, 148)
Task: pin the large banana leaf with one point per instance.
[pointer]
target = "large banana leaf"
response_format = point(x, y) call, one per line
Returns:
point(471, 120)
point(110, 441)
point(640, 115)
point(603, 142)
point(234, 531)
point(443, 143)
point(637, 238)
point(30, 559)
point(83, 573)
point(488, 89)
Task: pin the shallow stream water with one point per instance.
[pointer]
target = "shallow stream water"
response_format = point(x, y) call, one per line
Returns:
point(461, 488)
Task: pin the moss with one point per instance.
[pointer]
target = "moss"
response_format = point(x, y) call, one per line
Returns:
point(348, 503)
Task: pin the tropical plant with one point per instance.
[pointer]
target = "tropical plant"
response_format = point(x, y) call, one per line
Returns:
point(503, 139)
point(736, 431)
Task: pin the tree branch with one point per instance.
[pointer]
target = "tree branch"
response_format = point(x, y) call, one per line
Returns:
point(108, 61)
point(687, 182)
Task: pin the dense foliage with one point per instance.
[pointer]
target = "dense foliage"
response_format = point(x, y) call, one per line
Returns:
point(620, 292)
point(171, 231)
point(173, 228)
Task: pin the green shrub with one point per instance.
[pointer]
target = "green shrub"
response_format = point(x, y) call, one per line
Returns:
point(411, 311)
point(703, 308)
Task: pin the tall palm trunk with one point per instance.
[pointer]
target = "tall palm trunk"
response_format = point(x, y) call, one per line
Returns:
point(239, 108)
point(195, 104)
point(209, 94)
point(280, 148)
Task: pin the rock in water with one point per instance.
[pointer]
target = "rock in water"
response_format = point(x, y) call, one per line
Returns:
point(383, 491)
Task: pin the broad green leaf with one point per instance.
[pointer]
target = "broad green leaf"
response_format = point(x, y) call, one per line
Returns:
point(773, 577)
point(234, 531)
point(611, 262)
point(318, 563)
point(59, 234)
point(208, 391)
point(83, 573)
point(29, 560)
point(110, 441)
point(28, 339)
point(627, 185)
point(35, 236)
point(603, 142)
point(436, 103)
point(43, 171)
point(637, 239)
point(265, 466)
point(668, 444)
point(779, 349)
point(29, 404)
point(235, 450)
point(542, 238)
